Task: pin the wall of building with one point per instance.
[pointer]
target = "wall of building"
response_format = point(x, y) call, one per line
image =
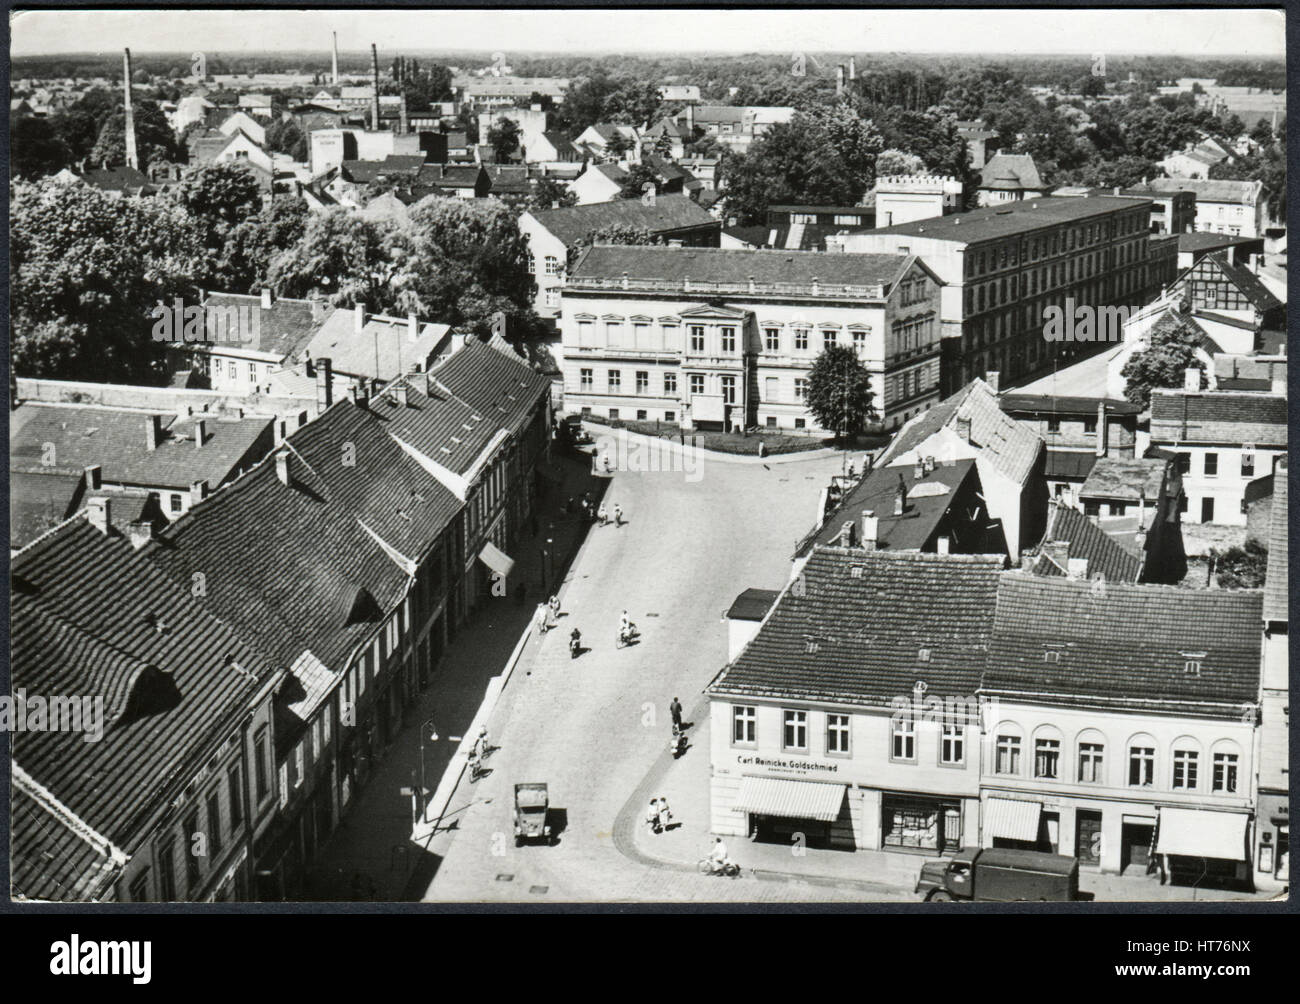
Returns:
point(1227, 487)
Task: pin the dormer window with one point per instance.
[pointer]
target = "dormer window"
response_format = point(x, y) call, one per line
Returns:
point(923, 655)
point(1051, 656)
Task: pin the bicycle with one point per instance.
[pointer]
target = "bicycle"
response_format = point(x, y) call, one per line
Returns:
point(728, 868)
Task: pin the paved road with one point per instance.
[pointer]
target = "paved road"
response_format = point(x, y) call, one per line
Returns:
point(592, 727)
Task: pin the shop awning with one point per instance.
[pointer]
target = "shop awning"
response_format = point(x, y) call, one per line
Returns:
point(1012, 818)
point(777, 796)
point(1197, 833)
point(496, 559)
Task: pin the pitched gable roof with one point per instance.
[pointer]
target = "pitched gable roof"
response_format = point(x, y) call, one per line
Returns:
point(1230, 417)
point(1105, 556)
point(574, 224)
point(1011, 171)
point(284, 329)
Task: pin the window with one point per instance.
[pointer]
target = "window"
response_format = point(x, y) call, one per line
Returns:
point(259, 765)
point(643, 381)
point(191, 828)
point(1007, 760)
point(1091, 763)
point(1047, 757)
point(1248, 465)
point(828, 339)
point(728, 389)
point(697, 383)
point(236, 790)
point(1053, 425)
point(772, 339)
point(952, 744)
point(613, 413)
point(1207, 510)
point(532, 263)
point(837, 734)
point(1211, 465)
point(803, 217)
point(585, 378)
point(552, 265)
point(903, 737)
point(770, 421)
point(697, 338)
point(175, 503)
point(800, 423)
point(800, 389)
point(670, 416)
point(614, 333)
point(859, 341)
point(615, 381)
point(641, 414)
point(670, 383)
point(771, 388)
point(801, 339)
point(1225, 773)
point(1141, 766)
point(744, 724)
point(214, 823)
point(728, 339)
point(1185, 768)
point(794, 735)
point(553, 296)
point(1090, 426)
point(166, 871)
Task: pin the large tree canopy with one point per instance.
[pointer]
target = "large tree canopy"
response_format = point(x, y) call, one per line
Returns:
point(839, 391)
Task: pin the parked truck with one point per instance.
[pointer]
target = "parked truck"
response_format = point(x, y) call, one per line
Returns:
point(1000, 875)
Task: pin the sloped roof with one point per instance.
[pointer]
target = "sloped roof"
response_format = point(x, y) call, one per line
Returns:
point(1130, 478)
point(51, 860)
point(1012, 448)
point(1069, 463)
point(669, 212)
point(1011, 171)
point(1064, 404)
point(1229, 417)
point(382, 350)
point(1277, 587)
point(752, 604)
point(1239, 192)
point(39, 500)
point(1247, 282)
point(1125, 646)
point(1105, 556)
point(855, 628)
point(284, 329)
point(363, 172)
point(1008, 219)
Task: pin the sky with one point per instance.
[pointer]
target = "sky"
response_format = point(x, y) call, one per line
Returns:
point(1240, 32)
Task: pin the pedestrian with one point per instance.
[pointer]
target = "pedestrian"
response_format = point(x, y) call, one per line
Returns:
point(652, 816)
point(554, 605)
point(618, 514)
point(602, 515)
point(665, 814)
point(482, 742)
point(540, 618)
point(675, 709)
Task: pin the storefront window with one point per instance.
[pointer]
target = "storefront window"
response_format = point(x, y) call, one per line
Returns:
point(925, 824)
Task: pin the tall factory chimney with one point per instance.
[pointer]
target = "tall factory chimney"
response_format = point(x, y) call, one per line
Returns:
point(335, 78)
point(132, 155)
point(374, 101)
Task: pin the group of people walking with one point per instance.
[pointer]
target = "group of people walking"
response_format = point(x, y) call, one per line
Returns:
point(593, 512)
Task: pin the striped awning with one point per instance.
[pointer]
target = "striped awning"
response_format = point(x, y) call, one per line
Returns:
point(496, 559)
point(1012, 818)
point(777, 796)
point(1198, 833)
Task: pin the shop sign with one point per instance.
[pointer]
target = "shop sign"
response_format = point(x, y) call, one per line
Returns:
point(784, 766)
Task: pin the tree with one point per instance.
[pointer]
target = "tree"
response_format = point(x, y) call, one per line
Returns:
point(617, 233)
point(36, 148)
point(547, 192)
point(251, 246)
point(218, 198)
point(617, 145)
point(1170, 352)
point(348, 257)
point(639, 176)
point(284, 136)
point(1262, 132)
point(154, 139)
point(1241, 567)
point(839, 392)
point(86, 269)
point(503, 136)
point(896, 162)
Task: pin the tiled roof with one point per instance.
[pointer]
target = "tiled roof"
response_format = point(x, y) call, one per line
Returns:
point(719, 265)
point(1105, 556)
point(865, 626)
point(1013, 448)
point(284, 329)
point(1204, 240)
point(1238, 192)
point(1008, 219)
point(1069, 463)
point(1129, 478)
point(50, 860)
point(1124, 646)
point(114, 438)
point(507, 178)
point(1227, 417)
point(92, 616)
point(669, 212)
point(1057, 404)
point(499, 383)
point(1277, 588)
point(40, 500)
point(1011, 171)
point(383, 350)
point(365, 171)
point(929, 498)
point(1246, 282)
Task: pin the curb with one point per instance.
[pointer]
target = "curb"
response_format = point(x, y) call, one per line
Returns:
point(701, 454)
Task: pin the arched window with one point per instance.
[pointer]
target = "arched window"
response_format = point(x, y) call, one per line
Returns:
point(1047, 752)
point(1225, 758)
point(1186, 764)
point(1008, 745)
point(1142, 761)
point(1090, 753)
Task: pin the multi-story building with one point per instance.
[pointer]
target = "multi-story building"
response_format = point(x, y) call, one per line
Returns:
point(1273, 784)
point(1225, 207)
point(1119, 724)
point(1224, 440)
point(1007, 177)
point(723, 338)
point(1004, 267)
point(248, 339)
point(851, 716)
point(908, 197)
point(1172, 211)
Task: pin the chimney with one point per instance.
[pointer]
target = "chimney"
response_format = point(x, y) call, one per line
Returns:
point(1076, 568)
point(282, 467)
point(846, 534)
point(1103, 433)
point(927, 466)
point(334, 79)
point(1279, 383)
point(900, 496)
point(359, 316)
point(374, 98)
point(404, 121)
point(918, 469)
point(324, 383)
point(198, 492)
point(963, 427)
point(1140, 540)
point(839, 80)
point(853, 68)
point(100, 512)
point(943, 544)
point(1191, 379)
point(139, 532)
point(94, 477)
point(152, 432)
point(992, 378)
point(200, 432)
point(132, 155)
point(400, 394)
point(690, 121)
point(317, 310)
point(267, 298)
point(870, 529)
point(1058, 551)
point(412, 327)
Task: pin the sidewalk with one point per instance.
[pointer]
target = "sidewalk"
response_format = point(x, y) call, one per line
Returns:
point(372, 845)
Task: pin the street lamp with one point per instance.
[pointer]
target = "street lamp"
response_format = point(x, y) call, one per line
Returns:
point(432, 730)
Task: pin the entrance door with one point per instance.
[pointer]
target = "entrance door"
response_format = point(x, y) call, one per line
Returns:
point(1135, 846)
point(1087, 837)
point(786, 831)
point(1049, 832)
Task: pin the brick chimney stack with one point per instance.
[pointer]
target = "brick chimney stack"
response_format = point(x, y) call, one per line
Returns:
point(100, 513)
point(152, 432)
point(324, 383)
point(870, 529)
point(200, 433)
point(140, 532)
